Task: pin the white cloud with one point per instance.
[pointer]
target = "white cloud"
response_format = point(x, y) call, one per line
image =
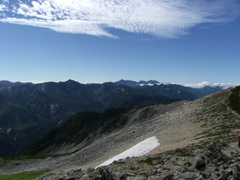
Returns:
point(161, 18)
point(2, 7)
point(205, 83)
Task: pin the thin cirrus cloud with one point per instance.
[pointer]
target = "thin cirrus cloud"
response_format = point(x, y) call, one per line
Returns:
point(160, 18)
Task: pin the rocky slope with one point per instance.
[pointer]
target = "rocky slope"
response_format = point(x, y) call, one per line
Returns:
point(185, 131)
point(180, 164)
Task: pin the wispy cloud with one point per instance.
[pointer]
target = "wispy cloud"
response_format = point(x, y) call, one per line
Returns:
point(160, 18)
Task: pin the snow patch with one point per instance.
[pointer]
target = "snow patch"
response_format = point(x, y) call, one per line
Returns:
point(139, 149)
point(148, 84)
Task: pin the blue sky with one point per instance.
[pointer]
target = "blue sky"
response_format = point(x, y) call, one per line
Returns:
point(178, 41)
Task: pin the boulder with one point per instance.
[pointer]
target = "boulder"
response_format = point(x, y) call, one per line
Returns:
point(199, 163)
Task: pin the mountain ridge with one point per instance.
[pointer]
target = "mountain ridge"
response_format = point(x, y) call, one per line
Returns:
point(132, 83)
point(53, 103)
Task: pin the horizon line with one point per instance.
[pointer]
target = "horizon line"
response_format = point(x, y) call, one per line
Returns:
point(194, 85)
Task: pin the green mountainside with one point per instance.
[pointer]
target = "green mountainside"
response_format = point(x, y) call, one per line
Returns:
point(18, 127)
point(80, 130)
point(234, 99)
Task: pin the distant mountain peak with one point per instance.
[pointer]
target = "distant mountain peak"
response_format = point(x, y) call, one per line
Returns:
point(148, 83)
point(135, 83)
point(71, 81)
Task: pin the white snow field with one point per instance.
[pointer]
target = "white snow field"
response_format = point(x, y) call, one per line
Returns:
point(139, 149)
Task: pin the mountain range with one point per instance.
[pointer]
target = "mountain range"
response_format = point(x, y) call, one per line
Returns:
point(27, 110)
point(139, 83)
